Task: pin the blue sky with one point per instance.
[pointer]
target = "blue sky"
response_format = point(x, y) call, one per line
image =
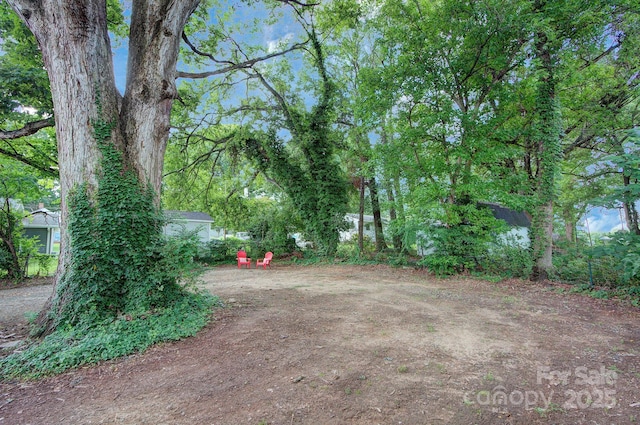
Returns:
point(602, 220)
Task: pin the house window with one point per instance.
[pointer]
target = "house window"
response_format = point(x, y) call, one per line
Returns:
point(367, 226)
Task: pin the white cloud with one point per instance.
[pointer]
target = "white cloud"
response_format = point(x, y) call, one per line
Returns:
point(602, 220)
point(278, 44)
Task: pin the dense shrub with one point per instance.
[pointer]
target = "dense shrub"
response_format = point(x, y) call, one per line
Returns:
point(222, 251)
point(507, 257)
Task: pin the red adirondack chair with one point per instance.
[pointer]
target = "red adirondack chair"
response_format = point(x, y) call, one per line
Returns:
point(243, 260)
point(266, 261)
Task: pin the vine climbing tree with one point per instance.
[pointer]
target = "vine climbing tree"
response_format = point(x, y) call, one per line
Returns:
point(306, 166)
point(93, 118)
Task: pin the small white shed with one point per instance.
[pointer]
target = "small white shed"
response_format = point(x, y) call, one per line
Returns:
point(519, 223)
point(352, 223)
point(45, 226)
point(180, 221)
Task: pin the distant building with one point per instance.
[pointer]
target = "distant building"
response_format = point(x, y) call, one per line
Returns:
point(519, 223)
point(181, 221)
point(45, 226)
point(368, 228)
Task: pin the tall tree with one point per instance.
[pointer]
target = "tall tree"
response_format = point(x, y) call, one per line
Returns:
point(95, 125)
point(546, 139)
point(306, 167)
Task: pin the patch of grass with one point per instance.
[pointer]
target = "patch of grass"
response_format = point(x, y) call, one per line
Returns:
point(552, 407)
point(70, 347)
point(439, 367)
point(488, 277)
point(403, 369)
point(509, 299)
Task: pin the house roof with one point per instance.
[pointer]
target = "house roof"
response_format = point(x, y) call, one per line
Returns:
point(365, 217)
point(513, 218)
point(189, 215)
point(42, 218)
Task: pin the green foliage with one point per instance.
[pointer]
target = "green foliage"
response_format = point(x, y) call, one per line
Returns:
point(442, 264)
point(460, 245)
point(623, 251)
point(120, 263)
point(15, 249)
point(507, 258)
point(45, 264)
point(270, 234)
point(349, 249)
point(17, 184)
point(606, 270)
point(24, 95)
point(316, 187)
point(70, 347)
point(218, 251)
point(22, 72)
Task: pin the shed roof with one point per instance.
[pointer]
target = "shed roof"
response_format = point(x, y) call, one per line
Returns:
point(189, 215)
point(513, 218)
point(42, 218)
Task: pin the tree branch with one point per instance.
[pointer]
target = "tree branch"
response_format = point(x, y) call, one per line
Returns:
point(235, 66)
point(30, 162)
point(27, 130)
point(299, 3)
point(197, 51)
point(588, 63)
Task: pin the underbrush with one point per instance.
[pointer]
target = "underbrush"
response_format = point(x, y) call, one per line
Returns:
point(630, 294)
point(71, 347)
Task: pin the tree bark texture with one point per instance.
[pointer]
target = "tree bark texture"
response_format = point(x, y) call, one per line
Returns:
point(630, 211)
point(75, 45)
point(361, 218)
point(547, 135)
point(381, 244)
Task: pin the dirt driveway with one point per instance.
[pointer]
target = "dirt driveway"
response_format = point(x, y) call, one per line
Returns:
point(364, 345)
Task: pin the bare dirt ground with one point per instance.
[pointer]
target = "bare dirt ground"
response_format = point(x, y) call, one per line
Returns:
point(363, 345)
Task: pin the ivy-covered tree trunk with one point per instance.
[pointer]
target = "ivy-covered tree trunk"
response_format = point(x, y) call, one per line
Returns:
point(381, 244)
point(361, 216)
point(312, 179)
point(629, 207)
point(89, 110)
point(547, 137)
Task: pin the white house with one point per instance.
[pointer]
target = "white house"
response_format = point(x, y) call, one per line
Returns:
point(45, 226)
point(352, 221)
point(518, 223)
point(180, 221)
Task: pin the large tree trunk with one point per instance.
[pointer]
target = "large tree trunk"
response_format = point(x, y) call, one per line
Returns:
point(361, 218)
point(381, 244)
point(73, 38)
point(396, 239)
point(630, 211)
point(543, 242)
point(547, 134)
